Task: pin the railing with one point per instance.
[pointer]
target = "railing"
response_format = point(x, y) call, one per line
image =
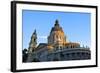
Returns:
point(70, 49)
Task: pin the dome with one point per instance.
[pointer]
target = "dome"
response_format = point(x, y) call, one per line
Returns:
point(56, 27)
point(57, 36)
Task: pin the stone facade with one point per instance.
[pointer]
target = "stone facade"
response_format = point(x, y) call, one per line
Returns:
point(58, 48)
point(33, 42)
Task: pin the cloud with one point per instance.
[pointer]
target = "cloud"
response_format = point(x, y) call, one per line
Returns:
point(42, 37)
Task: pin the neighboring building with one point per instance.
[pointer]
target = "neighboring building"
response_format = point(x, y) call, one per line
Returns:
point(58, 48)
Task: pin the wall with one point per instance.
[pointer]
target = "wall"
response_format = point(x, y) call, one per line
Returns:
point(5, 37)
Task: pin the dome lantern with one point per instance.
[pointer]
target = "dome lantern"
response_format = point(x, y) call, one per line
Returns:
point(57, 23)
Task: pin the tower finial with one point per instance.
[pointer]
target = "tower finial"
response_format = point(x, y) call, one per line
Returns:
point(34, 31)
point(56, 23)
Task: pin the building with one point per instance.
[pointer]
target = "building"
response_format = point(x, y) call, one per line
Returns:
point(58, 48)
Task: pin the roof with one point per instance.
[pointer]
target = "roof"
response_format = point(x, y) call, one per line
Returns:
point(41, 45)
point(56, 27)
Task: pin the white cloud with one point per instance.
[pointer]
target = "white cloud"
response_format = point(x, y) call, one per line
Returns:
point(42, 37)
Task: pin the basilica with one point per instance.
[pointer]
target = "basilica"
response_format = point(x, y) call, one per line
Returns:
point(57, 48)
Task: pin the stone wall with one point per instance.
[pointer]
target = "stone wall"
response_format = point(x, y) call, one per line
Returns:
point(64, 55)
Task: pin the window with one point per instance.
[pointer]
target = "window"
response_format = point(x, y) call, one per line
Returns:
point(73, 54)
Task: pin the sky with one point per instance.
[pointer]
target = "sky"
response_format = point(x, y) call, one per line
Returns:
point(76, 26)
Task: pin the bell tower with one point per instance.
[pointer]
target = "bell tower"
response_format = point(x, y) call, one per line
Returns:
point(33, 42)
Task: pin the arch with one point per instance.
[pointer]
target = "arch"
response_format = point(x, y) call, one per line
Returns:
point(73, 54)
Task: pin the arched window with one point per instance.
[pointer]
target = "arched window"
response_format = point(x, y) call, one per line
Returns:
point(83, 53)
point(67, 54)
point(57, 47)
point(78, 53)
point(73, 54)
point(60, 47)
point(71, 46)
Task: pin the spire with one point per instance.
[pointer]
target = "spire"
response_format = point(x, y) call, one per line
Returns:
point(34, 34)
point(56, 23)
point(34, 31)
point(33, 42)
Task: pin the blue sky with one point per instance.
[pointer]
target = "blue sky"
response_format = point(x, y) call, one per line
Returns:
point(76, 26)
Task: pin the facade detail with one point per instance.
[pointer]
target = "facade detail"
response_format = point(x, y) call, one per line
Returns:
point(58, 48)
